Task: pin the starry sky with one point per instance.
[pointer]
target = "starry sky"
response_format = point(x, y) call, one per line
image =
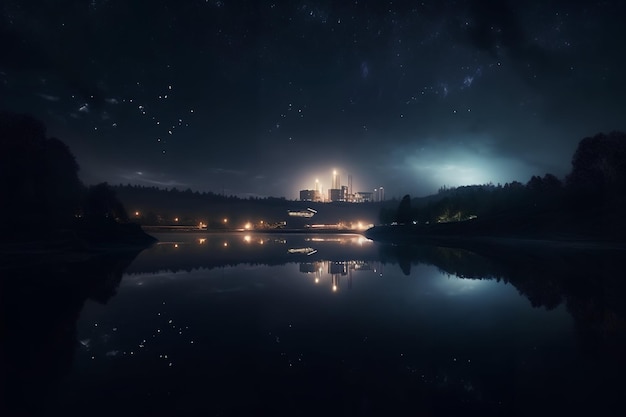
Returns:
point(260, 98)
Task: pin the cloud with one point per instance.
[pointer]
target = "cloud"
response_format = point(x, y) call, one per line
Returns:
point(226, 171)
point(49, 97)
point(143, 178)
point(430, 164)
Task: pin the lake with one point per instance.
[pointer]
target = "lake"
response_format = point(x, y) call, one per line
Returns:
point(300, 324)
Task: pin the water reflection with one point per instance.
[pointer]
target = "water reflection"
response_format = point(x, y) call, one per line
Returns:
point(41, 304)
point(201, 321)
point(331, 272)
point(178, 252)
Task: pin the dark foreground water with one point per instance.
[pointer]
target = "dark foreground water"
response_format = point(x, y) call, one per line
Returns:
point(234, 324)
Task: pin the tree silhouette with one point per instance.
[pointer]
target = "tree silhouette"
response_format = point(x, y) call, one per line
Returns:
point(102, 207)
point(403, 215)
point(599, 165)
point(41, 188)
point(42, 197)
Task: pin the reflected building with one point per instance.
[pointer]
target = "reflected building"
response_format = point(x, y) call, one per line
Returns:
point(337, 268)
point(334, 270)
point(311, 267)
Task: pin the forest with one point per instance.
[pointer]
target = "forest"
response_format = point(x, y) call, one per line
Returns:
point(589, 201)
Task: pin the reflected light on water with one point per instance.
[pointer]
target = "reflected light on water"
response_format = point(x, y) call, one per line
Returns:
point(452, 285)
point(427, 334)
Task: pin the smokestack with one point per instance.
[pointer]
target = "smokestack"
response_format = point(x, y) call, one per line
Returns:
point(336, 181)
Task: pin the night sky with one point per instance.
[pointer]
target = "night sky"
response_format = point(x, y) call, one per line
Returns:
point(263, 97)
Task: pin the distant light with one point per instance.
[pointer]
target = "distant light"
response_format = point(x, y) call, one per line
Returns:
point(225, 220)
point(334, 288)
point(136, 213)
point(225, 244)
point(175, 219)
point(317, 280)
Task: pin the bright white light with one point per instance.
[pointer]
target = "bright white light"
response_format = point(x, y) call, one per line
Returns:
point(454, 286)
point(463, 161)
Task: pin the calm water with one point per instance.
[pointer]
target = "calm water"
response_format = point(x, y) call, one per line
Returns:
point(234, 324)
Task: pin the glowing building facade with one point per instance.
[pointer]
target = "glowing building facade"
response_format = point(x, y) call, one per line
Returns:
point(341, 193)
point(310, 195)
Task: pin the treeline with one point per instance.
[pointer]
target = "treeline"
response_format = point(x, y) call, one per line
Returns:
point(469, 202)
point(589, 200)
point(157, 206)
point(151, 195)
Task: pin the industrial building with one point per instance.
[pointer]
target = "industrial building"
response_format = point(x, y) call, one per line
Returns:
point(342, 193)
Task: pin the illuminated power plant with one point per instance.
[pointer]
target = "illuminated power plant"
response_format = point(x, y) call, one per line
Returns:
point(312, 195)
point(341, 193)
